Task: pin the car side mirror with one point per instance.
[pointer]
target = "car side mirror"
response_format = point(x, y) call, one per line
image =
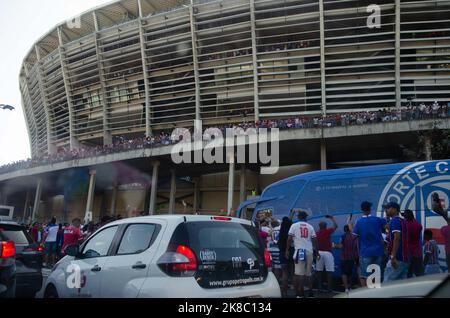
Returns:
point(72, 250)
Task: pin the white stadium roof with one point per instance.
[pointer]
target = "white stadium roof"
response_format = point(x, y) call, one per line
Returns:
point(110, 14)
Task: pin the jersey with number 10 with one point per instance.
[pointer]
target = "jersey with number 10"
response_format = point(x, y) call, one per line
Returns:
point(303, 233)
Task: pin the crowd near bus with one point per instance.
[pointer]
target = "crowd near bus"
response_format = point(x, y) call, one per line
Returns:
point(397, 245)
point(302, 256)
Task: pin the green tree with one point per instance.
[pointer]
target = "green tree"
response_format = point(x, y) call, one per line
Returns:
point(439, 145)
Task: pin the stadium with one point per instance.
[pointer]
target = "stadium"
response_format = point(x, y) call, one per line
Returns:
point(135, 69)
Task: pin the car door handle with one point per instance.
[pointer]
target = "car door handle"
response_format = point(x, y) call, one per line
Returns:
point(139, 266)
point(96, 269)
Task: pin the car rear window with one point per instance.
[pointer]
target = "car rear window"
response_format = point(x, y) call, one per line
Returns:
point(213, 235)
point(220, 236)
point(16, 234)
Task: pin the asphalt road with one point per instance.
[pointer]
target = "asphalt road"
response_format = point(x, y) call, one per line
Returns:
point(45, 274)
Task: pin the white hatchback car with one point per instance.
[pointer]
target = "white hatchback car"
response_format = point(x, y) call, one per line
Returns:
point(167, 257)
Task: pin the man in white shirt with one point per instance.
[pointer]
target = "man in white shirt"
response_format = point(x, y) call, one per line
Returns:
point(435, 109)
point(422, 109)
point(305, 244)
point(50, 236)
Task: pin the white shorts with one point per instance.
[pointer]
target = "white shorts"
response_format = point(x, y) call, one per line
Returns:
point(326, 261)
point(304, 268)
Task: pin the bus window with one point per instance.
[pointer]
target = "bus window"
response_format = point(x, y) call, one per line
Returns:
point(247, 213)
point(339, 195)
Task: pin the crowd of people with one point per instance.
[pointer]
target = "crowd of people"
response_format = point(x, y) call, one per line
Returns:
point(121, 144)
point(286, 46)
point(230, 54)
point(397, 245)
point(262, 49)
point(303, 255)
point(56, 237)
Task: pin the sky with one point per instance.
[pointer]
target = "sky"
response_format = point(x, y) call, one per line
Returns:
point(22, 23)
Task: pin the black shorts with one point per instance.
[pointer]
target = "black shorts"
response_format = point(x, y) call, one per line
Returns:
point(283, 260)
point(347, 267)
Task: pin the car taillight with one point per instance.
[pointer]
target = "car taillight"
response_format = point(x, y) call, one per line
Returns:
point(178, 261)
point(221, 218)
point(191, 265)
point(34, 249)
point(267, 259)
point(7, 249)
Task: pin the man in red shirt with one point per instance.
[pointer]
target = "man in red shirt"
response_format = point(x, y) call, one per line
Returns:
point(264, 235)
point(34, 232)
point(72, 234)
point(414, 230)
point(326, 260)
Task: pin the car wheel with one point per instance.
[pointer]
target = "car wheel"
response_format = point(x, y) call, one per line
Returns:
point(51, 292)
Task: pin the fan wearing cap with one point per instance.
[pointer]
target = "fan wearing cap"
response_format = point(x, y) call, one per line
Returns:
point(397, 267)
point(369, 229)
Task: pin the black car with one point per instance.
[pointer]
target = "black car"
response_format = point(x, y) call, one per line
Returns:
point(7, 268)
point(29, 257)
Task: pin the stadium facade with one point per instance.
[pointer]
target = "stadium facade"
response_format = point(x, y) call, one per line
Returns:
point(134, 67)
point(137, 67)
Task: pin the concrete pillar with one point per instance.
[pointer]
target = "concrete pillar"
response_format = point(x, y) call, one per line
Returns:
point(255, 59)
point(243, 187)
point(154, 189)
point(398, 87)
point(323, 155)
point(107, 137)
point(196, 195)
point(114, 199)
point(25, 208)
point(322, 58)
point(26, 92)
point(195, 61)
point(173, 191)
point(148, 115)
point(427, 150)
point(91, 192)
point(258, 183)
point(231, 184)
point(65, 211)
point(40, 80)
point(37, 199)
point(3, 197)
point(74, 143)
